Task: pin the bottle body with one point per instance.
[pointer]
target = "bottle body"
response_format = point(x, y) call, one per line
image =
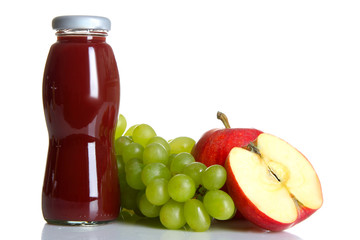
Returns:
point(81, 94)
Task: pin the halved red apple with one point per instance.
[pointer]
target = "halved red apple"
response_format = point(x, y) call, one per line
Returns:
point(272, 184)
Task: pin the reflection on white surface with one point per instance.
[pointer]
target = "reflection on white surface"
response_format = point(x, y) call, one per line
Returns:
point(152, 230)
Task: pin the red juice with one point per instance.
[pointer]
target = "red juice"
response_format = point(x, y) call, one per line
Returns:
point(81, 94)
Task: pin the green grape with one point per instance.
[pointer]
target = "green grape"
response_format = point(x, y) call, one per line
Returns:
point(133, 150)
point(127, 196)
point(130, 130)
point(157, 192)
point(155, 152)
point(162, 141)
point(181, 187)
point(131, 162)
point(142, 134)
point(137, 201)
point(139, 195)
point(127, 193)
point(196, 216)
point(194, 171)
point(120, 167)
point(121, 172)
point(172, 215)
point(148, 209)
point(121, 143)
point(180, 161)
point(181, 144)
point(219, 204)
point(171, 157)
point(214, 177)
point(154, 170)
point(133, 169)
point(120, 126)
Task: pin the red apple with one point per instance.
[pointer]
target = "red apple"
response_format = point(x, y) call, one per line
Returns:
point(272, 184)
point(214, 146)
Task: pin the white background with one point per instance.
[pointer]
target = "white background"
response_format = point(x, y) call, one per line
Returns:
point(290, 68)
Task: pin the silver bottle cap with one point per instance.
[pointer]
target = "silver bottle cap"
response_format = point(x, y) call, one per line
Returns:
point(81, 22)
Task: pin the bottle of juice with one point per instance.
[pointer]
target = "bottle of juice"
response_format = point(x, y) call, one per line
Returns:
point(81, 94)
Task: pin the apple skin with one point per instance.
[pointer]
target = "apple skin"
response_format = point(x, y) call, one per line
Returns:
point(215, 145)
point(247, 209)
point(304, 213)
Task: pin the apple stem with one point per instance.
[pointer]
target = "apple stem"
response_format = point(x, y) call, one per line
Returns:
point(221, 116)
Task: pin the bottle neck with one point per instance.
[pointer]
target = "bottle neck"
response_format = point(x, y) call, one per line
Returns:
point(83, 35)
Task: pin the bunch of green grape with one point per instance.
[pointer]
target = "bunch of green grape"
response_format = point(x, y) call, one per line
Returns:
point(162, 179)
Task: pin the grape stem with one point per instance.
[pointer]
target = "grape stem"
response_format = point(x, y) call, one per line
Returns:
point(200, 192)
point(221, 116)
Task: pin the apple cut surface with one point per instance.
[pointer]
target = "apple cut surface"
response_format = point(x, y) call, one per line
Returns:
point(261, 188)
point(272, 184)
point(301, 179)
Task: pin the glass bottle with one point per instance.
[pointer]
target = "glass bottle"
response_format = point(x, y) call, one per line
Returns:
point(81, 94)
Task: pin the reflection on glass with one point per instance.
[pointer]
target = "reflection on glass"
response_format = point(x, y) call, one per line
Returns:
point(94, 82)
point(152, 230)
point(93, 178)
